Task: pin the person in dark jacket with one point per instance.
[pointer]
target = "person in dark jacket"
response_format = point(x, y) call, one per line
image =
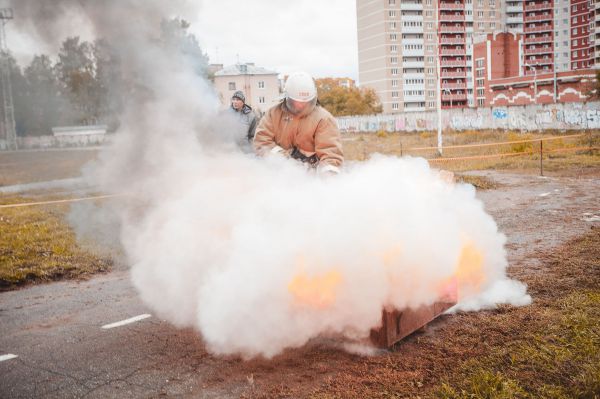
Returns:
point(244, 115)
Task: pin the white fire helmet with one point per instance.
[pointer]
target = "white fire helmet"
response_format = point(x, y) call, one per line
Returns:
point(300, 93)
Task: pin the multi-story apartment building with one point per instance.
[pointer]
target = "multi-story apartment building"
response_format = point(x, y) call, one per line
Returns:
point(407, 46)
point(415, 53)
point(595, 34)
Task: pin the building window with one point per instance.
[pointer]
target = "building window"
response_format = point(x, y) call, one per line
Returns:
point(481, 102)
point(393, 37)
point(392, 25)
point(261, 84)
point(394, 83)
point(394, 71)
point(392, 2)
point(394, 49)
point(392, 13)
point(261, 100)
point(394, 94)
point(231, 85)
point(394, 60)
point(395, 106)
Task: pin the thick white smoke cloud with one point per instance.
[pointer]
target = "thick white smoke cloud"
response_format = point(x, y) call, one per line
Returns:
point(230, 233)
point(258, 254)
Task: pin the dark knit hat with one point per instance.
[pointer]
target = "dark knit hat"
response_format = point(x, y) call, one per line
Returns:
point(239, 94)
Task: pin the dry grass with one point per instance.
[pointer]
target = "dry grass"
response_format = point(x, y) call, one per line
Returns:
point(557, 351)
point(37, 245)
point(34, 166)
point(550, 349)
point(359, 146)
point(480, 182)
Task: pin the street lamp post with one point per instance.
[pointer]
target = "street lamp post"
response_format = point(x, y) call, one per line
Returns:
point(438, 84)
point(534, 82)
point(555, 84)
point(447, 91)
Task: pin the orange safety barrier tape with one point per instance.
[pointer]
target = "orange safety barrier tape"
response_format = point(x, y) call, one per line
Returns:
point(60, 201)
point(493, 144)
point(572, 149)
point(510, 154)
point(506, 154)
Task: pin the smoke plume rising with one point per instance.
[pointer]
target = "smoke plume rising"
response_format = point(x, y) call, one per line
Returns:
point(257, 254)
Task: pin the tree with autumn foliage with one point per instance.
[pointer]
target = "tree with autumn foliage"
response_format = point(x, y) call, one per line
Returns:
point(343, 99)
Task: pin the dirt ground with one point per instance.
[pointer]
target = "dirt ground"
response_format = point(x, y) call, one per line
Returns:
point(547, 221)
point(552, 226)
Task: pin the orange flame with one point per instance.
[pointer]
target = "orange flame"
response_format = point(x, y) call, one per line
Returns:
point(318, 291)
point(469, 270)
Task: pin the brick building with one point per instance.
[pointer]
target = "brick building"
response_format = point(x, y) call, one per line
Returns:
point(414, 53)
point(500, 79)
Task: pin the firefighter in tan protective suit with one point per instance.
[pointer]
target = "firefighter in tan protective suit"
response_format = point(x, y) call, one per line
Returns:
point(298, 127)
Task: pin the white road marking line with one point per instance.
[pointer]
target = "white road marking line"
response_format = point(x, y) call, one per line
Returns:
point(544, 194)
point(7, 357)
point(593, 218)
point(127, 321)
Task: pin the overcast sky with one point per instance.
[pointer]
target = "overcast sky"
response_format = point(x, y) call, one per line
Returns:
point(312, 35)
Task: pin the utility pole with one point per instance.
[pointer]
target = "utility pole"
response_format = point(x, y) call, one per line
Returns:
point(534, 82)
point(6, 14)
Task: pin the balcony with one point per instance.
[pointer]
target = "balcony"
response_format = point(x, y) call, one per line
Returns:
point(538, 39)
point(453, 51)
point(413, 75)
point(514, 9)
point(535, 7)
point(539, 17)
point(413, 107)
point(541, 61)
point(452, 40)
point(452, 18)
point(418, 42)
point(454, 63)
point(413, 52)
point(411, 29)
point(454, 86)
point(537, 28)
point(539, 50)
point(540, 71)
point(514, 20)
point(411, 6)
point(413, 64)
point(452, 6)
point(454, 74)
point(414, 18)
point(454, 97)
point(452, 29)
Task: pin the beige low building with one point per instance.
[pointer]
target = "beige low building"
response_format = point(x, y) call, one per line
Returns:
point(260, 86)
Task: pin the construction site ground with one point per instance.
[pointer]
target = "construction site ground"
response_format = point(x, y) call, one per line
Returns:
point(550, 348)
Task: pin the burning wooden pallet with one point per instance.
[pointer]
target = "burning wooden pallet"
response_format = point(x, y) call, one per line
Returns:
point(398, 324)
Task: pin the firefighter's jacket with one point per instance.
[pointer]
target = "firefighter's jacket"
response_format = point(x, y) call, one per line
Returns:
point(314, 133)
